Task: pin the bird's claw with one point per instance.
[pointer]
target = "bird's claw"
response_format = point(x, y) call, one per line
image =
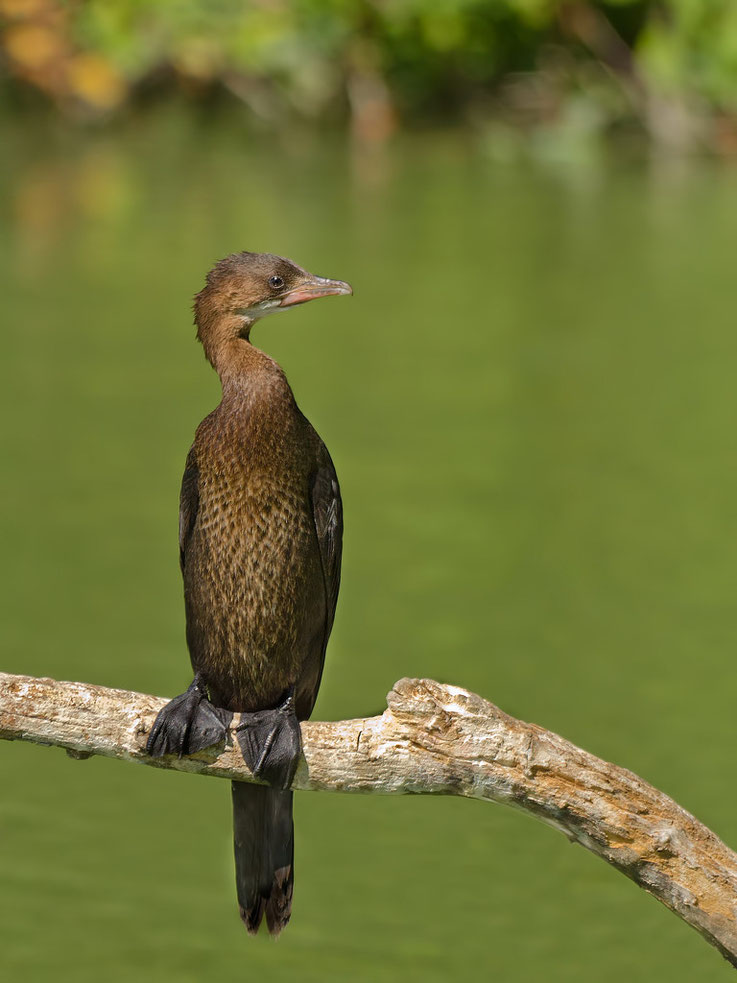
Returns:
point(271, 743)
point(188, 723)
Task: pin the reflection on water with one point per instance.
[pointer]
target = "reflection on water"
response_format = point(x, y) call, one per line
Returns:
point(530, 402)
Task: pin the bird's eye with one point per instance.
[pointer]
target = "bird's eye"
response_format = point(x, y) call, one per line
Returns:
point(276, 282)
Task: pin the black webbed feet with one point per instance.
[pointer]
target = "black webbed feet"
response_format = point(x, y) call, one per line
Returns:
point(271, 743)
point(187, 724)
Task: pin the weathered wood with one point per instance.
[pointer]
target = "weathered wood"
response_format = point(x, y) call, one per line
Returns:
point(434, 738)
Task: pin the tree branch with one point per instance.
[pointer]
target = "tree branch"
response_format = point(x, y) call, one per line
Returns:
point(434, 739)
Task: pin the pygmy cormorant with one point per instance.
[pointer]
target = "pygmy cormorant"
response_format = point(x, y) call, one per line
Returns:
point(260, 535)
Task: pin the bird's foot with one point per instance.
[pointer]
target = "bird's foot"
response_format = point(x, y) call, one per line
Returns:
point(188, 723)
point(271, 742)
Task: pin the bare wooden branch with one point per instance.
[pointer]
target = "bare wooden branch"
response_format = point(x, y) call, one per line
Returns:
point(434, 739)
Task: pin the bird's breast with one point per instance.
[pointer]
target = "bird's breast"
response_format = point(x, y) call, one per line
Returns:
point(253, 578)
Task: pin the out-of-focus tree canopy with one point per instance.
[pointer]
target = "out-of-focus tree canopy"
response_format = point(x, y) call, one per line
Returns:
point(667, 66)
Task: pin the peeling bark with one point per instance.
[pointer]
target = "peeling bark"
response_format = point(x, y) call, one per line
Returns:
point(433, 738)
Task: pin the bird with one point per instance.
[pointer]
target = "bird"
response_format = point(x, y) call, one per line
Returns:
point(260, 545)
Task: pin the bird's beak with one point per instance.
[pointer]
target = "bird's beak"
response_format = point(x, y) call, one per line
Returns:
point(313, 287)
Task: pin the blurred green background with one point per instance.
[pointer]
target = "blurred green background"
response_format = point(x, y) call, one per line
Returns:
point(663, 71)
point(530, 401)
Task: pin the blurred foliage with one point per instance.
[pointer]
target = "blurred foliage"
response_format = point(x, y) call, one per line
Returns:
point(666, 67)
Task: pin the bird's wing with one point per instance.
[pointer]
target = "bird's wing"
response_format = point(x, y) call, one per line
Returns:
point(189, 503)
point(327, 510)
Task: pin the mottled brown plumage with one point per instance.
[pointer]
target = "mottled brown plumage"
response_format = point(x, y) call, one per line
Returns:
point(252, 564)
point(260, 545)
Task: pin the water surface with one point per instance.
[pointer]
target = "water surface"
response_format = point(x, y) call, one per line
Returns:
point(530, 401)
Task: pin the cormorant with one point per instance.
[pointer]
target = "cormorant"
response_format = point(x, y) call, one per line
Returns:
point(260, 537)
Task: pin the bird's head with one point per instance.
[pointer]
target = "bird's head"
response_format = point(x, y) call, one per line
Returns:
point(244, 287)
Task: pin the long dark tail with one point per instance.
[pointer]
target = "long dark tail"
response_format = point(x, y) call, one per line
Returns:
point(264, 855)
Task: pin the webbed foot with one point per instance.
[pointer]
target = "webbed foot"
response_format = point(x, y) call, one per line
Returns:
point(188, 723)
point(271, 743)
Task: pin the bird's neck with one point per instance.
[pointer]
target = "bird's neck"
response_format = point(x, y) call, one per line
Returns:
point(247, 374)
point(246, 371)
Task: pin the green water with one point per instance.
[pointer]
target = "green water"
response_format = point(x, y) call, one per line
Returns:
point(531, 404)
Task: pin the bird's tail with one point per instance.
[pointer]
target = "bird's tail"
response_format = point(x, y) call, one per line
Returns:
point(264, 855)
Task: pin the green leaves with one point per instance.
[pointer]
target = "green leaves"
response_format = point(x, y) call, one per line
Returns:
point(405, 58)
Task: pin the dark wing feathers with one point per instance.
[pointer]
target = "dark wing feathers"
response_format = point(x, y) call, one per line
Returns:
point(189, 503)
point(327, 509)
